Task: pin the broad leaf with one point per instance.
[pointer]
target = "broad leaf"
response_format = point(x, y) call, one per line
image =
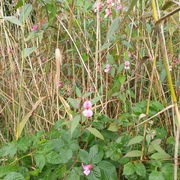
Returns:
point(134, 153)
point(135, 140)
point(28, 51)
point(108, 171)
point(128, 169)
point(26, 10)
point(156, 175)
point(40, 161)
point(140, 169)
point(96, 133)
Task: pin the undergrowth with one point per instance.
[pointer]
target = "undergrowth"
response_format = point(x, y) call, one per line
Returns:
point(56, 56)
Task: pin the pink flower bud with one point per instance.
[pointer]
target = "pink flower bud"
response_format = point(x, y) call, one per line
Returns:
point(87, 104)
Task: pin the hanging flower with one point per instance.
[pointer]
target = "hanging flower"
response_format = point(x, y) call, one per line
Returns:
point(34, 28)
point(87, 113)
point(126, 65)
point(107, 68)
point(87, 104)
point(108, 13)
point(87, 168)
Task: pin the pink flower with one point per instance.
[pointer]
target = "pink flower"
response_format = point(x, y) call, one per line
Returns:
point(87, 113)
point(175, 61)
point(34, 28)
point(108, 13)
point(87, 168)
point(98, 8)
point(11, 51)
point(170, 68)
point(129, 54)
point(107, 68)
point(110, 2)
point(87, 104)
point(119, 7)
point(126, 65)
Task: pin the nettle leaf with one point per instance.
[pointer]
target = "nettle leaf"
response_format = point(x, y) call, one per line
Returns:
point(108, 171)
point(14, 176)
point(168, 171)
point(84, 156)
point(140, 169)
point(134, 153)
point(40, 161)
point(4, 170)
point(128, 169)
point(96, 133)
point(156, 175)
point(75, 123)
point(135, 140)
point(95, 154)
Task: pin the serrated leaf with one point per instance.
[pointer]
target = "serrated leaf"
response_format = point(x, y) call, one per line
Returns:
point(13, 19)
point(75, 123)
point(140, 169)
point(135, 140)
point(108, 171)
point(160, 156)
point(113, 27)
point(128, 169)
point(134, 153)
point(28, 51)
point(95, 132)
point(95, 154)
point(14, 176)
point(83, 155)
point(156, 175)
point(4, 170)
point(40, 161)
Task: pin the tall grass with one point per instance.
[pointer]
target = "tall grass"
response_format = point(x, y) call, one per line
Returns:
point(36, 91)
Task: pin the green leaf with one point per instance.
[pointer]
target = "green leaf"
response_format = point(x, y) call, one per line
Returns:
point(140, 169)
point(121, 78)
point(74, 102)
point(95, 132)
point(167, 5)
point(108, 171)
point(19, 4)
point(156, 175)
point(128, 169)
point(162, 75)
point(83, 155)
point(105, 46)
point(134, 153)
point(28, 51)
point(135, 140)
point(158, 148)
point(113, 27)
point(96, 99)
point(14, 176)
point(113, 127)
point(78, 92)
point(87, 94)
point(95, 154)
point(40, 161)
point(13, 19)
point(161, 156)
point(26, 10)
point(4, 170)
point(9, 149)
point(75, 123)
point(168, 171)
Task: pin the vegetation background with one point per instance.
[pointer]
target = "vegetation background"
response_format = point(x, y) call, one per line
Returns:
point(121, 56)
